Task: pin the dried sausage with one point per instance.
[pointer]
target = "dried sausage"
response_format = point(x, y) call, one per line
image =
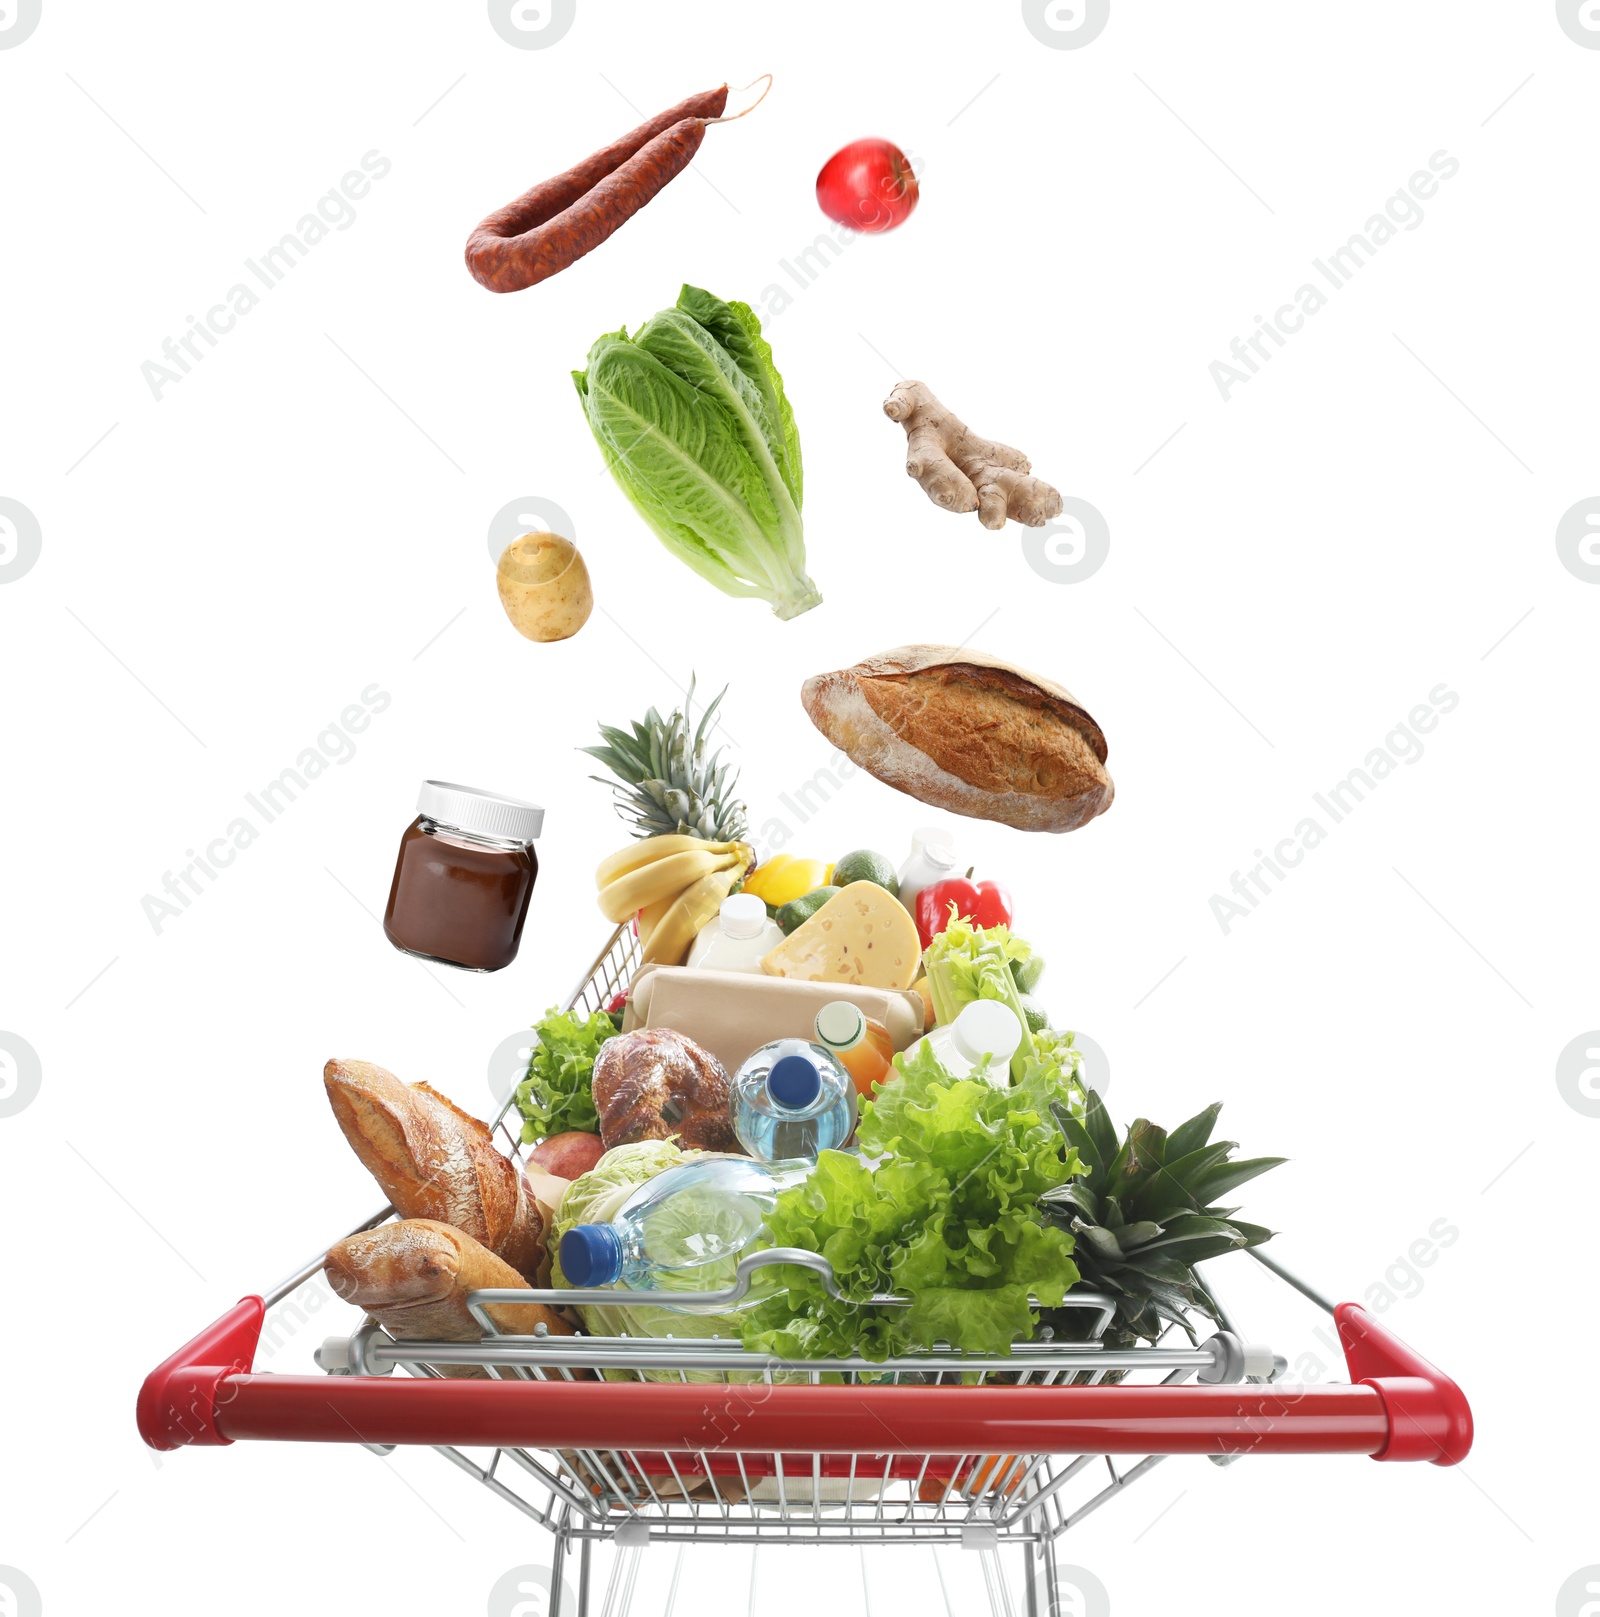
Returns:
point(559, 220)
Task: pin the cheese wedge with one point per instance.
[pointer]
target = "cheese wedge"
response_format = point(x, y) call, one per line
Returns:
point(861, 936)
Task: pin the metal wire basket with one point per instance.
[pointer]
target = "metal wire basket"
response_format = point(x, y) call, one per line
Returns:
point(706, 1441)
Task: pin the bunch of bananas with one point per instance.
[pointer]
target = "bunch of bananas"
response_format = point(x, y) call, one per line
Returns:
point(674, 884)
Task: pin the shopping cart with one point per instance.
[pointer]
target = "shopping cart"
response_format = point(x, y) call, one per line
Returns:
point(712, 1443)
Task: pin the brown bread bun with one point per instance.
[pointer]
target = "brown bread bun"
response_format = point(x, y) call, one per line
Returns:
point(658, 1084)
point(413, 1278)
point(967, 732)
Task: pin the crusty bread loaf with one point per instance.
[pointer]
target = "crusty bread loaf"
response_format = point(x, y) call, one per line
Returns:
point(434, 1161)
point(969, 733)
point(658, 1084)
point(413, 1278)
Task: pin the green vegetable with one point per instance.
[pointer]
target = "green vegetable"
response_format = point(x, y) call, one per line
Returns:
point(1034, 1015)
point(967, 962)
point(691, 416)
point(1143, 1216)
point(949, 1217)
point(596, 1198)
point(1028, 972)
point(556, 1094)
point(800, 910)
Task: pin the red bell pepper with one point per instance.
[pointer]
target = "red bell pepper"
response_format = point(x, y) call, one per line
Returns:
point(984, 903)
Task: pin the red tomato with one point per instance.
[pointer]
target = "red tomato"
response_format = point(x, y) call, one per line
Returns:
point(867, 185)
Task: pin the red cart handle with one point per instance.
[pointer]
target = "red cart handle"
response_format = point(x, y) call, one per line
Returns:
point(1397, 1407)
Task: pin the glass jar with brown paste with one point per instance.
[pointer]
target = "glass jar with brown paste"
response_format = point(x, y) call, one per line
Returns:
point(464, 877)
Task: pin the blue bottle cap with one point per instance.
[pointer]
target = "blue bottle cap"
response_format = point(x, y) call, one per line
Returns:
point(793, 1082)
point(591, 1255)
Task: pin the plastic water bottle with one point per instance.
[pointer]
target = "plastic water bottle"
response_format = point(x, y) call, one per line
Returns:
point(683, 1230)
point(986, 1027)
point(792, 1098)
point(737, 937)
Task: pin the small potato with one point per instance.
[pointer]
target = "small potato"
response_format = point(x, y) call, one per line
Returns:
point(544, 586)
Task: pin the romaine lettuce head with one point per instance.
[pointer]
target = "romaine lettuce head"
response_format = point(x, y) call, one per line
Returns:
point(691, 416)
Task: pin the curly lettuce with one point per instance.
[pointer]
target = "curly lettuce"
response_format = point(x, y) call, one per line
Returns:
point(948, 1216)
point(557, 1094)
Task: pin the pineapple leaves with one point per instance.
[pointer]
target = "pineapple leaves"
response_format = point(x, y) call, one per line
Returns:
point(1143, 1212)
point(1195, 1133)
point(1230, 1175)
point(667, 784)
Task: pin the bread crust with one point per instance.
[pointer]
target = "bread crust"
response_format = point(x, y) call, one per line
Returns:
point(967, 732)
point(658, 1084)
point(413, 1278)
point(433, 1161)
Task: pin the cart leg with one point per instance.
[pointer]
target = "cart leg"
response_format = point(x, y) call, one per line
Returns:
point(1030, 1593)
point(558, 1556)
point(585, 1546)
point(1047, 1564)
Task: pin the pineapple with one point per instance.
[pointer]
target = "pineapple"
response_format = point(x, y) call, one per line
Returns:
point(666, 784)
point(1141, 1216)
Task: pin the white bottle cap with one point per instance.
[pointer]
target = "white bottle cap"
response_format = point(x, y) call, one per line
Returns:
point(468, 809)
point(743, 916)
point(935, 844)
point(840, 1025)
point(987, 1027)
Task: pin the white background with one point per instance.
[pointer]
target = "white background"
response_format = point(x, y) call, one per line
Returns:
point(305, 515)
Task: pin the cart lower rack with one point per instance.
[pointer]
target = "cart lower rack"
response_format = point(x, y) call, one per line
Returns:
point(710, 1442)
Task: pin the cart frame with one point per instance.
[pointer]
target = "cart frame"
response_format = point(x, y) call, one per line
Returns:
point(934, 1447)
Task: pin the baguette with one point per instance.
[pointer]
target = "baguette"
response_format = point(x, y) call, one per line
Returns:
point(968, 733)
point(433, 1161)
point(413, 1278)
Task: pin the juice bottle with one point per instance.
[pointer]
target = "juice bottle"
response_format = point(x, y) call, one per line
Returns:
point(863, 1047)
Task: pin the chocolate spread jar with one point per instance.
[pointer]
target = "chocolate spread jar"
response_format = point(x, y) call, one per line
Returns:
point(464, 877)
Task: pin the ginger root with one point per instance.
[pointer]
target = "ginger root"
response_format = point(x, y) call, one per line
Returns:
point(963, 472)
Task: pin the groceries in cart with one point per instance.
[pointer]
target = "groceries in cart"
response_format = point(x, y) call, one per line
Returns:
point(800, 1058)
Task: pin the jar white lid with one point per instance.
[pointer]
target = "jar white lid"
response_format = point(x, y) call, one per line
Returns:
point(743, 915)
point(487, 814)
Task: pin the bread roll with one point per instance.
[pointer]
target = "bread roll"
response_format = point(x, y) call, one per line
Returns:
point(413, 1278)
point(434, 1161)
point(658, 1084)
point(969, 733)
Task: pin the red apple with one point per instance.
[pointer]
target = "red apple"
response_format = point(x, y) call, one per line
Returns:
point(567, 1155)
point(867, 185)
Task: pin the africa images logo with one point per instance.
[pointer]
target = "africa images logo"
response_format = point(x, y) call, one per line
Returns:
point(19, 1594)
point(18, 19)
point(20, 539)
point(1580, 22)
point(1066, 25)
point(532, 25)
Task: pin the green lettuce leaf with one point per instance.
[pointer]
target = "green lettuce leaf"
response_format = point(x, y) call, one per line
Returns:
point(948, 1216)
point(691, 416)
point(557, 1094)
